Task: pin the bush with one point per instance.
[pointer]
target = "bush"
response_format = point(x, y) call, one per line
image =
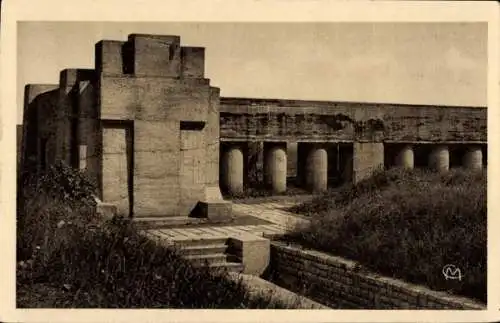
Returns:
point(56, 197)
point(114, 267)
point(408, 224)
point(73, 259)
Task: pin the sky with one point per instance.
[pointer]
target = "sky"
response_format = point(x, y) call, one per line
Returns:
point(411, 63)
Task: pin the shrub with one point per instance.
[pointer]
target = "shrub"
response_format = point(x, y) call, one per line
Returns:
point(409, 224)
point(112, 266)
point(58, 196)
point(77, 260)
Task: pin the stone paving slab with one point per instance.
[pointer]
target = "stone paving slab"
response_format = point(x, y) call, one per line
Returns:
point(216, 232)
point(278, 222)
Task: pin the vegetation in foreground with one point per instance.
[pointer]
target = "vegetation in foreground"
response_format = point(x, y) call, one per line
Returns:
point(70, 258)
point(409, 225)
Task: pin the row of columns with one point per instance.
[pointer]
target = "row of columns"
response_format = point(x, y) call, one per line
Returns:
point(439, 158)
point(316, 165)
point(275, 169)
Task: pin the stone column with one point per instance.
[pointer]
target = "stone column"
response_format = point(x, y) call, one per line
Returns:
point(276, 168)
point(439, 159)
point(232, 170)
point(473, 158)
point(405, 157)
point(317, 169)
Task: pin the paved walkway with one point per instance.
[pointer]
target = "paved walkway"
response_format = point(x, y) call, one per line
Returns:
point(179, 234)
point(274, 212)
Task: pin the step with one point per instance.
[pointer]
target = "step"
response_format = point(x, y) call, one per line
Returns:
point(166, 221)
point(229, 266)
point(194, 242)
point(203, 259)
point(231, 257)
point(174, 221)
point(204, 249)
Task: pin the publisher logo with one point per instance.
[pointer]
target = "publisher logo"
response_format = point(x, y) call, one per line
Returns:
point(452, 272)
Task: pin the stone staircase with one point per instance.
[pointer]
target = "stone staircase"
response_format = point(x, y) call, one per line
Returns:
point(212, 252)
point(169, 221)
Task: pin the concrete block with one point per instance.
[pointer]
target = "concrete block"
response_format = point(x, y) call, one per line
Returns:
point(108, 57)
point(219, 211)
point(156, 197)
point(170, 99)
point(156, 55)
point(118, 98)
point(193, 61)
point(253, 250)
point(157, 136)
point(31, 91)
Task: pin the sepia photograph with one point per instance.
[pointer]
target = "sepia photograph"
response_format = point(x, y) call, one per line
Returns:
point(313, 165)
point(348, 172)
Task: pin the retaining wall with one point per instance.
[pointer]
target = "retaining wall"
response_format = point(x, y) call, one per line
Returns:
point(340, 283)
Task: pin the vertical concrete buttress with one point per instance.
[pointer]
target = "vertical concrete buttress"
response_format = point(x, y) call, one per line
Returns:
point(276, 168)
point(317, 169)
point(232, 170)
point(405, 157)
point(439, 158)
point(473, 158)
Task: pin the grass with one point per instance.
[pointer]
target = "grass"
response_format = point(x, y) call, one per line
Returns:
point(407, 224)
point(68, 257)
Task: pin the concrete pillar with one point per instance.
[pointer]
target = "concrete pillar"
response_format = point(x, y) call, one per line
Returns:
point(405, 158)
point(232, 170)
point(473, 158)
point(317, 169)
point(439, 159)
point(368, 157)
point(276, 168)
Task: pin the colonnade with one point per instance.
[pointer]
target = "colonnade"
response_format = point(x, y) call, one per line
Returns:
point(312, 164)
point(439, 157)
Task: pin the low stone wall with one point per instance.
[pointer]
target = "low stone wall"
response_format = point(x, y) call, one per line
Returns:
point(340, 283)
point(257, 286)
